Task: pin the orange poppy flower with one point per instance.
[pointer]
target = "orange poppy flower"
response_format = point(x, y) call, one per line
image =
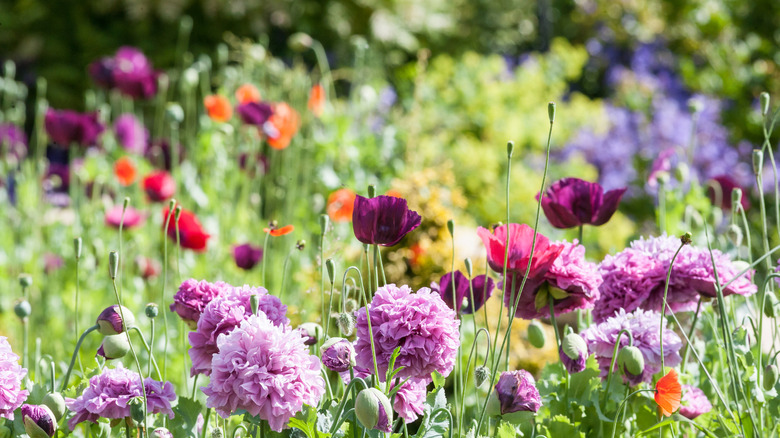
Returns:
point(285, 121)
point(218, 108)
point(125, 172)
point(340, 205)
point(668, 393)
point(317, 99)
point(287, 229)
point(248, 93)
point(394, 193)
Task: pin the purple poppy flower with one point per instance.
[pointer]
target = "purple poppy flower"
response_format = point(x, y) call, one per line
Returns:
point(11, 375)
point(13, 141)
point(193, 296)
point(661, 165)
point(694, 402)
point(482, 286)
point(247, 255)
point(571, 202)
point(131, 133)
point(133, 74)
point(255, 113)
point(39, 420)
point(110, 320)
point(338, 355)
point(516, 391)
point(67, 127)
point(383, 220)
point(719, 191)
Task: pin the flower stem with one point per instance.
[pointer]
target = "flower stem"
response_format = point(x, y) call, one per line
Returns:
point(265, 256)
point(690, 335)
point(73, 358)
point(663, 309)
point(623, 403)
point(164, 285)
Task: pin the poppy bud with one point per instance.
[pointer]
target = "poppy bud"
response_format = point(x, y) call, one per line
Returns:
point(25, 280)
point(22, 309)
point(510, 148)
point(469, 267)
point(631, 361)
point(110, 320)
point(372, 408)
point(113, 264)
point(39, 421)
point(299, 42)
point(770, 304)
point(151, 310)
point(215, 433)
point(190, 77)
point(351, 305)
point(137, 408)
point(311, 332)
point(770, 377)
point(694, 105)
point(686, 238)
point(114, 347)
point(574, 353)
point(764, 98)
point(77, 247)
point(481, 374)
point(174, 112)
point(56, 402)
point(338, 354)
point(536, 334)
point(758, 161)
point(734, 233)
point(682, 172)
point(324, 221)
point(331, 268)
point(551, 111)
point(371, 190)
point(162, 432)
point(516, 392)
point(346, 323)
point(451, 227)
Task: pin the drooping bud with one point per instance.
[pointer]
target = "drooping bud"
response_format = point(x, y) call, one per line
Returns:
point(162, 432)
point(331, 268)
point(372, 408)
point(110, 320)
point(764, 99)
point(770, 304)
point(686, 238)
point(311, 332)
point(137, 408)
point(758, 161)
point(736, 196)
point(734, 233)
point(338, 354)
point(770, 377)
point(25, 280)
point(113, 264)
point(39, 421)
point(22, 309)
point(632, 363)
point(536, 334)
point(481, 374)
point(56, 402)
point(114, 347)
point(516, 391)
point(551, 111)
point(151, 310)
point(346, 323)
point(574, 353)
point(351, 305)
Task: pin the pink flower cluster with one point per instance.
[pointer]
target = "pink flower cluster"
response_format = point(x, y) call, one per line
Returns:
point(193, 296)
point(11, 374)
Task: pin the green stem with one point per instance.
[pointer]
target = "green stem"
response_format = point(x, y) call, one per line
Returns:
point(132, 352)
point(73, 358)
point(162, 292)
point(148, 349)
point(265, 255)
point(661, 325)
point(690, 335)
point(614, 356)
point(622, 404)
point(564, 372)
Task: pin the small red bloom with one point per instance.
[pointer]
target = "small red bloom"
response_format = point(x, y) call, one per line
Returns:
point(125, 172)
point(341, 204)
point(218, 108)
point(248, 93)
point(285, 121)
point(191, 233)
point(317, 99)
point(159, 186)
point(668, 393)
point(287, 229)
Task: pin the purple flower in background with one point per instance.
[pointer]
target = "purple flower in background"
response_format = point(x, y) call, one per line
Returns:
point(66, 127)
point(265, 370)
point(516, 391)
point(644, 327)
point(52, 262)
point(158, 152)
point(129, 71)
point(13, 142)
point(383, 220)
point(38, 420)
point(661, 165)
point(719, 190)
point(247, 255)
point(193, 296)
point(420, 323)
point(223, 314)
point(572, 202)
point(11, 374)
point(255, 113)
point(481, 285)
point(132, 217)
point(409, 401)
point(131, 134)
point(162, 432)
point(101, 72)
point(109, 393)
point(694, 402)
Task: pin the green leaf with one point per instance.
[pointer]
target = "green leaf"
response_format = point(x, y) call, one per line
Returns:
point(505, 430)
point(562, 426)
point(438, 379)
point(186, 415)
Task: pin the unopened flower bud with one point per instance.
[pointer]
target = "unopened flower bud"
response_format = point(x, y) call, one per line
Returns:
point(299, 42)
point(682, 172)
point(770, 377)
point(338, 354)
point(469, 267)
point(351, 305)
point(736, 196)
point(162, 432)
point(56, 402)
point(324, 222)
point(510, 148)
point(481, 374)
point(734, 233)
point(22, 309)
point(764, 99)
point(551, 111)
point(137, 408)
point(190, 77)
point(215, 433)
point(114, 347)
point(346, 323)
point(254, 304)
point(152, 310)
point(758, 161)
point(371, 190)
point(574, 353)
point(451, 227)
point(516, 392)
point(536, 334)
point(174, 112)
point(113, 264)
point(694, 105)
point(770, 304)
point(331, 268)
point(110, 320)
point(686, 238)
point(39, 421)
point(311, 332)
point(372, 408)
point(300, 245)
point(77, 244)
point(631, 361)
point(25, 280)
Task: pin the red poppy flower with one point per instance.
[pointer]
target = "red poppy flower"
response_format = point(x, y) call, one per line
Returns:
point(668, 393)
point(191, 232)
point(317, 99)
point(285, 121)
point(248, 93)
point(218, 107)
point(287, 229)
point(159, 186)
point(340, 205)
point(125, 171)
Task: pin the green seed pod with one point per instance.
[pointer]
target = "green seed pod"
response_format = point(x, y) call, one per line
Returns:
point(770, 305)
point(469, 267)
point(451, 227)
point(758, 161)
point(77, 244)
point(510, 149)
point(373, 410)
point(22, 309)
point(770, 377)
point(324, 222)
point(56, 402)
point(631, 361)
point(25, 280)
point(536, 334)
point(736, 196)
point(114, 347)
point(152, 310)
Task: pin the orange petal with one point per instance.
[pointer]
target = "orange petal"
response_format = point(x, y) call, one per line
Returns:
point(287, 229)
point(248, 93)
point(668, 393)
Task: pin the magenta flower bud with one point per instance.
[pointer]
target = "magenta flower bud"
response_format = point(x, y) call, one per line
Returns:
point(573, 353)
point(110, 320)
point(372, 408)
point(482, 291)
point(162, 432)
point(254, 113)
point(572, 202)
point(247, 256)
point(311, 332)
point(516, 391)
point(39, 421)
point(338, 355)
point(383, 220)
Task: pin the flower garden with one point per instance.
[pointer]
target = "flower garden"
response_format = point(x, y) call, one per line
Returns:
point(383, 238)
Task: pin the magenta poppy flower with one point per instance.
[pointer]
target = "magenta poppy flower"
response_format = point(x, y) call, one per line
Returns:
point(129, 71)
point(159, 186)
point(482, 291)
point(521, 236)
point(131, 133)
point(383, 220)
point(255, 113)
point(132, 217)
point(661, 165)
point(67, 127)
point(247, 256)
point(571, 202)
point(13, 141)
point(726, 185)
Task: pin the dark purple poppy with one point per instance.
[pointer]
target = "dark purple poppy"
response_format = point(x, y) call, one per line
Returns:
point(571, 202)
point(67, 127)
point(247, 256)
point(516, 391)
point(255, 113)
point(725, 185)
point(133, 74)
point(13, 142)
point(383, 220)
point(462, 292)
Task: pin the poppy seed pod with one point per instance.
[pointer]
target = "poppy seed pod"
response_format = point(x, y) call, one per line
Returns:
point(631, 361)
point(331, 268)
point(25, 280)
point(510, 148)
point(338, 355)
point(56, 402)
point(152, 310)
point(110, 320)
point(372, 408)
point(39, 421)
point(324, 221)
point(574, 353)
point(114, 347)
point(551, 111)
point(758, 161)
point(736, 196)
point(22, 309)
point(77, 244)
point(113, 264)
point(536, 334)
point(770, 377)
